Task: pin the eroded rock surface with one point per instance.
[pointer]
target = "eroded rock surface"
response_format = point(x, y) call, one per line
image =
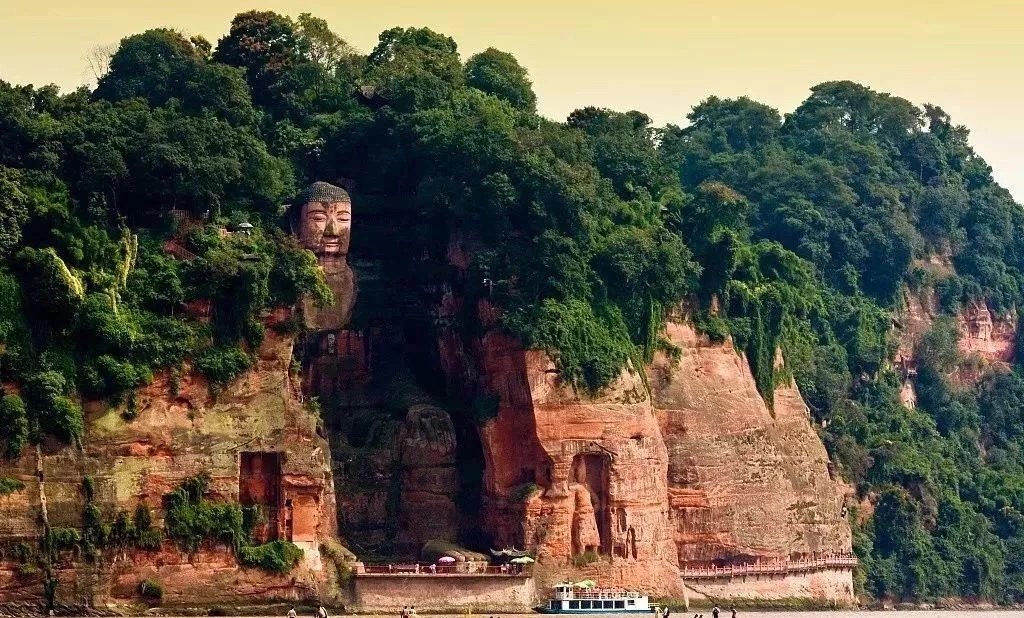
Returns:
point(744, 483)
point(697, 472)
point(255, 440)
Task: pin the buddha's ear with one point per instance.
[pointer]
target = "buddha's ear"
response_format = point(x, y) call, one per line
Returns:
point(291, 218)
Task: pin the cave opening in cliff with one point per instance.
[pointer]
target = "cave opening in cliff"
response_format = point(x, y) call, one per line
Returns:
point(259, 484)
point(590, 475)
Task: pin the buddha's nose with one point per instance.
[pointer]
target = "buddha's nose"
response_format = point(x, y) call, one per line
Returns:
point(330, 229)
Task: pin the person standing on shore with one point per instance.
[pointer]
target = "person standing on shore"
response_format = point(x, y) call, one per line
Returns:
point(291, 613)
point(715, 611)
point(733, 612)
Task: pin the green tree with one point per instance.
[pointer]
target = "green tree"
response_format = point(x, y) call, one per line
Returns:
point(498, 73)
point(13, 210)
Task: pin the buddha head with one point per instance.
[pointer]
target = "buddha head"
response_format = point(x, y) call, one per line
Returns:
point(323, 220)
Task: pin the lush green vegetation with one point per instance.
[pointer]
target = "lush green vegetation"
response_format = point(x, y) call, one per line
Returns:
point(192, 520)
point(798, 233)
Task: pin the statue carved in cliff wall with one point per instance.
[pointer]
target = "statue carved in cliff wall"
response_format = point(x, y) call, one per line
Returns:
point(361, 377)
point(588, 487)
point(322, 219)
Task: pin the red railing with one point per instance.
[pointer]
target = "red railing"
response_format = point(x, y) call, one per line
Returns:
point(603, 593)
point(511, 570)
point(841, 561)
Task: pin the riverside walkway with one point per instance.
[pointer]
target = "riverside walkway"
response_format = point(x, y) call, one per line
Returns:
point(426, 570)
point(771, 567)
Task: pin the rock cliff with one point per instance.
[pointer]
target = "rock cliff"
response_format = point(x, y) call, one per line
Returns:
point(744, 483)
point(986, 339)
point(257, 442)
point(680, 465)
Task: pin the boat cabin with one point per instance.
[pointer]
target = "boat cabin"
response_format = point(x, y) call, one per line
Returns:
point(573, 599)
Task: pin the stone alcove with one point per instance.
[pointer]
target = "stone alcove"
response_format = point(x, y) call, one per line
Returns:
point(589, 481)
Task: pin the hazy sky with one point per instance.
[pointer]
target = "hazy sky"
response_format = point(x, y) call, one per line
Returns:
point(660, 57)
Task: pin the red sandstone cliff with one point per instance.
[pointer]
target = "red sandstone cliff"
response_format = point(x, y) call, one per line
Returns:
point(600, 465)
point(686, 466)
point(257, 442)
point(744, 483)
point(987, 339)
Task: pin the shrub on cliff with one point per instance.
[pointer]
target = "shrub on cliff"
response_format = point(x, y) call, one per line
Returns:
point(47, 400)
point(8, 486)
point(13, 425)
point(191, 520)
point(588, 557)
point(273, 557)
point(151, 590)
point(222, 364)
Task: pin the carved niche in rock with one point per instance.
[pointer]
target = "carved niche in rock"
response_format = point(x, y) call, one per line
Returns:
point(589, 486)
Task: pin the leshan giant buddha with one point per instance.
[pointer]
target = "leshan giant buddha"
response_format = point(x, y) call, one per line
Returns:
point(322, 218)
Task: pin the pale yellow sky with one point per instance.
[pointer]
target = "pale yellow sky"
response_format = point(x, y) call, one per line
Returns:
point(660, 57)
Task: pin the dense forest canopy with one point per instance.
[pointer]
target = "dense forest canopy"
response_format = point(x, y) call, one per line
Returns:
point(799, 232)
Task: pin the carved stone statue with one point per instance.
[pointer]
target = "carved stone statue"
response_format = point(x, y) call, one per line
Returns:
point(360, 378)
point(322, 218)
point(325, 223)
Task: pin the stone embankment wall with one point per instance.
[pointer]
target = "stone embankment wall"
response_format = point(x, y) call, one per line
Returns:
point(827, 585)
point(208, 577)
point(452, 592)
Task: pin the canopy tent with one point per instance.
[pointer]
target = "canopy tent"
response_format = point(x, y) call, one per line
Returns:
point(586, 583)
point(522, 560)
point(445, 560)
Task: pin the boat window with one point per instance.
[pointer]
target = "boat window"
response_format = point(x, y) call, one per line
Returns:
point(552, 604)
point(631, 601)
point(619, 605)
point(608, 604)
point(574, 604)
point(584, 604)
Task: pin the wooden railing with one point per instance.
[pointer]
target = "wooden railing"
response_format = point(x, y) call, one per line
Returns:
point(511, 570)
point(840, 561)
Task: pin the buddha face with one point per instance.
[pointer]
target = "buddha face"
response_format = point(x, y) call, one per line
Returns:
point(326, 227)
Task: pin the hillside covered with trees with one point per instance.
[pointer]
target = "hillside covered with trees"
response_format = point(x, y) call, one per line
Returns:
point(799, 232)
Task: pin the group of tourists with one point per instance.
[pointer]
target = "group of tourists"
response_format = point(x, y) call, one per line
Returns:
point(715, 611)
point(321, 612)
point(408, 611)
point(667, 612)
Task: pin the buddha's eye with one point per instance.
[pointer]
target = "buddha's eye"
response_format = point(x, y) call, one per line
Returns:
point(319, 217)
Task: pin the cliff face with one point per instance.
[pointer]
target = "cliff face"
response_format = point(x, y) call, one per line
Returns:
point(599, 466)
point(257, 442)
point(986, 339)
point(744, 483)
point(686, 467)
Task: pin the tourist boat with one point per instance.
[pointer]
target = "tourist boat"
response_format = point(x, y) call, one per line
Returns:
point(585, 598)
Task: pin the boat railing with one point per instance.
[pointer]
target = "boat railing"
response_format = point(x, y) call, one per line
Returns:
point(583, 594)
